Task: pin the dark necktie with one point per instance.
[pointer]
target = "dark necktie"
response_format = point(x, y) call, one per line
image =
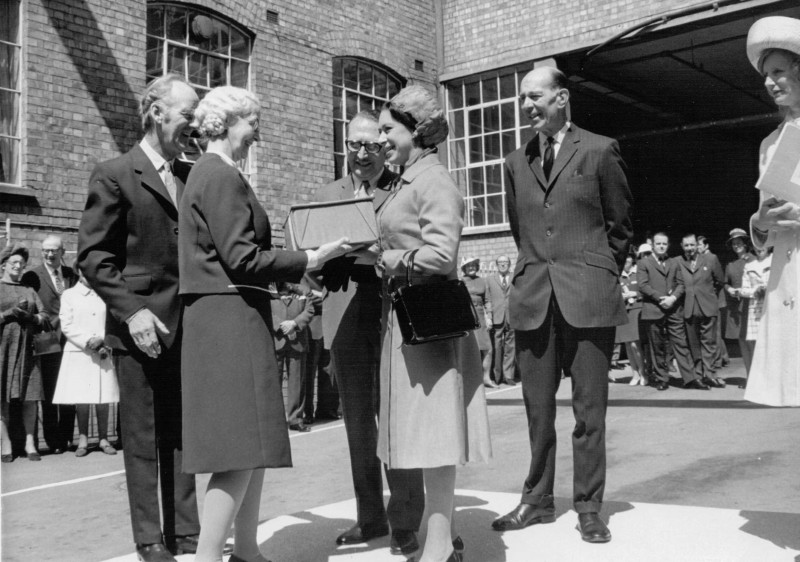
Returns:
point(547, 161)
point(503, 281)
point(59, 282)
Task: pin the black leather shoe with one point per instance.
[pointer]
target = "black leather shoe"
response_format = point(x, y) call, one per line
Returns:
point(403, 542)
point(592, 528)
point(661, 385)
point(34, 456)
point(522, 516)
point(56, 451)
point(301, 427)
point(696, 384)
point(154, 553)
point(458, 545)
point(7, 458)
point(187, 544)
point(327, 416)
point(359, 534)
point(715, 382)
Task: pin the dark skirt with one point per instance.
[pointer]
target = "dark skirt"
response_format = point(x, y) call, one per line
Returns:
point(629, 332)
point(233, 415)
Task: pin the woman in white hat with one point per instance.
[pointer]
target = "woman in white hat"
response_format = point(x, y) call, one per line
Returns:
point(773, 47)
point(479, 292)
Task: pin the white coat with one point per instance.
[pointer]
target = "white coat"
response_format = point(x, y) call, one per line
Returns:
point(84, 378)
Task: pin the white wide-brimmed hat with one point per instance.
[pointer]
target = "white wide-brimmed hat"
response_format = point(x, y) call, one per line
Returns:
point(468, 260)
point(774, 32)
point(644, 248)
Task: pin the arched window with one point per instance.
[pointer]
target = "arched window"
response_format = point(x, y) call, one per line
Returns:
point(358, 84)
point(10, 93)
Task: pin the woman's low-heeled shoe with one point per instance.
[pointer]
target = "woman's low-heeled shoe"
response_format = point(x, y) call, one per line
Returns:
point(81, 452)
point(34, 456)
point(458, 545)
point(7, 458)
point(108, 449)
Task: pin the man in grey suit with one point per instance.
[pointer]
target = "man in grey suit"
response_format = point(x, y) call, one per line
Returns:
point(499, 286)
point(351, 318)
point(568, 206)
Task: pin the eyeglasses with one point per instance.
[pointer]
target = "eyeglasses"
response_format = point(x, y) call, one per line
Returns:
point(370, 147)
point(49, 251)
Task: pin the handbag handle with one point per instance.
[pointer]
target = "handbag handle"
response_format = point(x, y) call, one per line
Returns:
point(410, 267)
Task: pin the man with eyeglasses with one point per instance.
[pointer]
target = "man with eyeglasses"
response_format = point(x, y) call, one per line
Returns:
point(128, 251)
point(351, 313)
point(49, 280)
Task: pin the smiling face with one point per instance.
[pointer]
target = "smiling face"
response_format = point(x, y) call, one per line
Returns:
point(52, 252)
point(242, 134)
point(364, 165)
point(739, 246)
point(13, 268)
point(173, 117)
point(781, 72)
point(542, 102)
point(400, 146)
point(503, 265)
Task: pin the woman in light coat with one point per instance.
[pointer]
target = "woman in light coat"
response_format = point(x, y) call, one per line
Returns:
point(433, 408)
point(87, 372)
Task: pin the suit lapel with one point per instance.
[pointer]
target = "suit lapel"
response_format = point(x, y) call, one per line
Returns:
point(45, 275)
point(535, 161)
point(149, 178)
point(568, 148)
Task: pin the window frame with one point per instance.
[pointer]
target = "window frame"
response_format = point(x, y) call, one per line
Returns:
point(17, 47)
point(340, 110)
point(462, 164)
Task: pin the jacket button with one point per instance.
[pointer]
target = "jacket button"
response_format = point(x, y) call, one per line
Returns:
point(175, 230)
point(549, 232)
point(550, 261)
point(547, 205)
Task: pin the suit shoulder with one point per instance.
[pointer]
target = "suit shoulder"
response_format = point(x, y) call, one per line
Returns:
point(330, 190)
point(519, 155)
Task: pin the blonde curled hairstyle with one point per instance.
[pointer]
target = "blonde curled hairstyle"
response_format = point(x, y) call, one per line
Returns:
point(221, 107)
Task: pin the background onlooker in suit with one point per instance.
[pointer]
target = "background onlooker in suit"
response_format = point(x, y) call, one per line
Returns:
point(318, 365)
point(437, 384)
point(499, 286)
point(234, 420)
point(86, 375)
point(721, 357)
point(565, 299)
point(351, 322)
point(479, 293)
point(702, 279)
point(21, 317)
point(737, 309)
point(292, 311)
point(628, 334)
point(128, 251)
point(50, 280)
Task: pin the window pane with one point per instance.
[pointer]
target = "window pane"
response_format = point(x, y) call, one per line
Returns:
point(351, 74)
point(507, 114)
point(476, 181)
point(494, 209)
point(475, 150)
point(380, 84)
point(509, 142)
point(9, 161)
point(223, 40)
point(337, 102)
point(490, 90)
point(492, 146)
point(9, 66)
point(525, 134)
point(474, 118)
point(473, 93)
point(460, 177)
point(338, 162)
point(508, 86)
point(198, 68)
point(457, 124)
point(338, 135)
point(154, 65)
point(365, 78)
point(216, 69)
point(457, 156)
point(351, 100)
point(240, 45)
point(175, 60)
point(491, 119)
point(493, 179)
point(336, 71)
point(176, 23)
point(478, 212)
point(456, 96)
point(9, 109)
point(394, 87)
point(155, 21)
point(239, 72)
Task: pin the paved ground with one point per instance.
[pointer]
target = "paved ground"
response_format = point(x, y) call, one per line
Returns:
point(692, 476)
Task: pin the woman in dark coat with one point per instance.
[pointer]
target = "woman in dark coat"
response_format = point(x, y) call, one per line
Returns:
point(736, 324)
point(233, 417)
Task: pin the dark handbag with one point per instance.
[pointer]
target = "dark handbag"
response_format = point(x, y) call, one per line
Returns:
point(433, 311)
point(45, 343)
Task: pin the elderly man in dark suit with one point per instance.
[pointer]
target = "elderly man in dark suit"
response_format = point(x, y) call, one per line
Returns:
point(662, 290)
point(499, 286)
point(569, 209)
point(49, 280)
point(702, 278)
point(128, 251)
point(351, 317)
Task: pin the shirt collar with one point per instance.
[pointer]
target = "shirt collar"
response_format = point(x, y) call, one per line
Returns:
point(557, 138)
point(157, 160)
point(54, 271)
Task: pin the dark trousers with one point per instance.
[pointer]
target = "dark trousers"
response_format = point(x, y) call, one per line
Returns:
point(58, 420)
point(292, 363)
point(701, 332)
point(318, 370)
point(584, 355)
point(669, 329)
point(504, 356)
point(150, 413)
point(355, 359)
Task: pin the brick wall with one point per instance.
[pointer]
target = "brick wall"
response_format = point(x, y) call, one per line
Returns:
point(85, 67)
point(481, 34)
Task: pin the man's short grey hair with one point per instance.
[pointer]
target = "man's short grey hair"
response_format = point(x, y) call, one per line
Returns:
point(156, 90)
